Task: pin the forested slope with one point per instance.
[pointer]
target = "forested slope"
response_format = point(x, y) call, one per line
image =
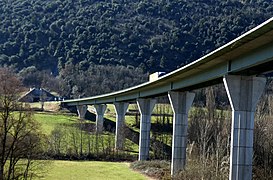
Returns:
point(157, 35)
point(154, 35)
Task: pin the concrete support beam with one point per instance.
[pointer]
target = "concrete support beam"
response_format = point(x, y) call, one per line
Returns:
point(243, 93)
point(100, 110)
point(146, 107)
point(180, 103)
point(81, 109)
point(120, 109)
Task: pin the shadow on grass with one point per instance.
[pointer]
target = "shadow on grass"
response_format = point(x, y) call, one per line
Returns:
point(133, 135)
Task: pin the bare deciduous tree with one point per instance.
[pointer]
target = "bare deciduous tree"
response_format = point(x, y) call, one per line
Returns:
point(19, 134)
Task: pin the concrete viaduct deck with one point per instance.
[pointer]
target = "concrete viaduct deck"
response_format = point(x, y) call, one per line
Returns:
point(242, 65)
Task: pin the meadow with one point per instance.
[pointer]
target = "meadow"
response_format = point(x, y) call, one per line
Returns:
point(89, 170)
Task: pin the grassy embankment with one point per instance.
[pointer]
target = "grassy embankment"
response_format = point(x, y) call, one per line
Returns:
point(50, 121)
point(67, 126)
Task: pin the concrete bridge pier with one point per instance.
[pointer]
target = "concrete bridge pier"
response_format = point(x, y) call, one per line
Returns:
point(120, 108)
point(146, 107)
point(180, 103)
point(100, 110)
point(243, 93)
point(81, 109)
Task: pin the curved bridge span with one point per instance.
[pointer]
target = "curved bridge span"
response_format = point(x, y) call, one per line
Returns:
point(242, 65)
point(249, 54)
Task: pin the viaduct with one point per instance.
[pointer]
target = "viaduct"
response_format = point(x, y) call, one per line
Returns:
point(242, 65)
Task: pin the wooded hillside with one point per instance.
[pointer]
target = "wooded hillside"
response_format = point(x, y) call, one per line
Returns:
point(54, 36)
point(153, 35)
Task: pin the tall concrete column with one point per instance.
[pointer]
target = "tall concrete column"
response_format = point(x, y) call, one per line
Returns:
point(180, 103)
point(100, 110)
point(146, 107)
point(243, 93)
point(120, 109)
point(81, 109)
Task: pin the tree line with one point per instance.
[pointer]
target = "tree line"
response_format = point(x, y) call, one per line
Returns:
point(77, 81)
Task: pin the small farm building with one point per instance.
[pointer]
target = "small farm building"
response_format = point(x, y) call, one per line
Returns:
point(37, 95)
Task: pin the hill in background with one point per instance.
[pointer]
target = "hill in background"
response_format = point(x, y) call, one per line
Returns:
point(69, 38)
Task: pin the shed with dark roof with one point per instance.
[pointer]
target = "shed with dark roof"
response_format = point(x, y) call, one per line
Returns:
point(37, 95)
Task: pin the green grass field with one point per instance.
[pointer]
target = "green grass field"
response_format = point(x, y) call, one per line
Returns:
point(90, 170)
point(49, 121)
